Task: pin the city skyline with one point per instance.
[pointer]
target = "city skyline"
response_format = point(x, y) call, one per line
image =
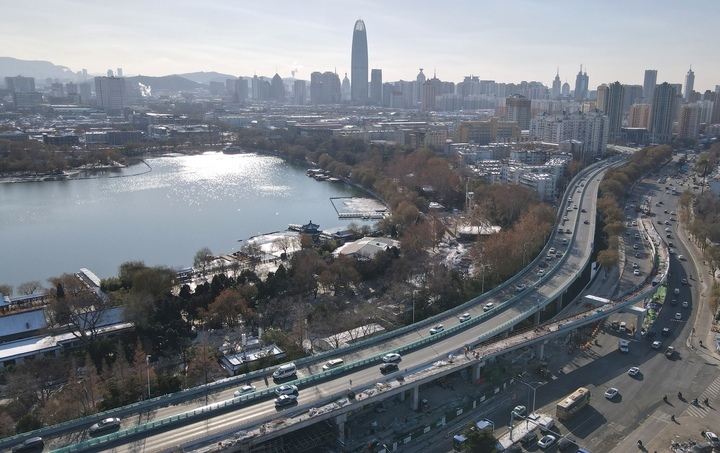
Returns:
point(508, 42)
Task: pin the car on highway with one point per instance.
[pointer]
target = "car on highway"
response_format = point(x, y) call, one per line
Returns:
point(391, 357)
point(332, 364)
point(552, 250)
point(637, 254)
point(548, 257)
point(287, 389)
point(636, 272)
point(464, 317)
point(635, 265)
point(583, 210)
point(676, 291)
point(665, 332)
point(567, 231)
point(565, 218)
point(633, 371)
point(388, 367)
point(244, 390)
point(678, 316)
point(540, 273)
point(611, 393)
point(106, 424)
point(685, 304)
point(681, 257)
point(635, 246)
point(32, 444)
point(285, 400)
point(683, 281)
point(521, 287)
point(656, 344)
point(586, 222)
point(637, 236)
point(437, 329)
point(488, 306)
point(546, 441)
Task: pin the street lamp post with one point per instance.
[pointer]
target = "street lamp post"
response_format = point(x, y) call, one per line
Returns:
point(147, 362)
point(534, 386)
point(482, 290)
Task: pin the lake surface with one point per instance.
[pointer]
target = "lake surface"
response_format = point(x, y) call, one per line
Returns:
point(162, 217)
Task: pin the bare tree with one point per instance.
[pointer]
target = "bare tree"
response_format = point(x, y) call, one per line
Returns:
point(203, 257)
point(6, 290)
point(28, 288)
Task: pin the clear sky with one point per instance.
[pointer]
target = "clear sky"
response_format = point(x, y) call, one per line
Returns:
point(505, 41)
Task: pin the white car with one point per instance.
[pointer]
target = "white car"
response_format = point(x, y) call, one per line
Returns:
point(611, 393)
point(244, 390)
point(464, 317)
point(332, 364)
point(392, 357)
point(678, 315)
point(488, 306)
point(540, 273)
point(712, 438)
point(546, 441)
point(633, 371)
point(685, 304)
point(521, 287)
point(636, 272)
point(286, 389)
point(656, 344)
point(437, 329)
point(681, 257)
point(106, 424)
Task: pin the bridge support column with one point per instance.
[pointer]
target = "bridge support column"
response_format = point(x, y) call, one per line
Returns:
point(416, 397)
point(476, 372)
point(640, 317)
point(537, 317)
point(402, 395)
point(340, 422)
point(558, 307)
point(540, 350)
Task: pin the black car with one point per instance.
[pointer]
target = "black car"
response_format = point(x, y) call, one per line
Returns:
point(529, 439)
point(285, 400)
point(565, 443)
point(514, 448)
point(32, 444)
point(388, 367)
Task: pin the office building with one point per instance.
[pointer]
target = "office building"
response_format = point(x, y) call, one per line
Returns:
point(689, 85)
point(359, 65)
point(582, 82)
point(639, 116)
point(376, 87)
point(556, 86)
point(428, 96)
point(277, 89)
point(110, 93)
point(419, 82)
point(649, 83)
point(345, 86)
point(517, 108)
point(688, 121)
point(661, 116)
point(20, 84)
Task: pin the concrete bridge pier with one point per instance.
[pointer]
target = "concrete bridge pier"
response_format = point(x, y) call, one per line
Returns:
point(402, 395)
point(540, 350)
point(476, 368)
point(537, 317)
point(416, 397)
point(558, 304)
point(340, 422)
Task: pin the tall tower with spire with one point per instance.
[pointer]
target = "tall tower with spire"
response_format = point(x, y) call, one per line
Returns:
point(689, 84)
point(556, 86)
point(359, 65)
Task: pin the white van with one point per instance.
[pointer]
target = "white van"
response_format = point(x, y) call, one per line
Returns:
point(285, 371)
point(332, 364)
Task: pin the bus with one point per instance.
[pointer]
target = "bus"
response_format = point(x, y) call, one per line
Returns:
point(572, 403)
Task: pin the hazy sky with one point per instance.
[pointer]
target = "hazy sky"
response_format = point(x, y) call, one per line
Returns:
point(506, 41)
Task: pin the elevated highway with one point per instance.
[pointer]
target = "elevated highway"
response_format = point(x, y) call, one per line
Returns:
point(167, 422)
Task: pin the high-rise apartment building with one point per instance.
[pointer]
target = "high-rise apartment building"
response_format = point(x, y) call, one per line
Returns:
point(689, 85)
point(428, 96)
point(376, 87)
point(325, 88)
point(299, 92)
point(661, 116)
point(359, 64)
point(649, 83)
point(517, 108)
point(110, 93)
point(590, 128)
point(639, 116)
point(345, 88)
point(689, 121)
point(614, 109)
point(602, 97)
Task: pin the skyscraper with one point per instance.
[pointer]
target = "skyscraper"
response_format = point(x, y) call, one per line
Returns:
point(614, 109)
point(110, 93)
point(689, 84)
point(661, 116)
point(376, 86)
point(517, 108)
point(419, 82)
point(556, 86)
point(689, 121)
point(581, 85)
point(649, 84)
point(359, 64)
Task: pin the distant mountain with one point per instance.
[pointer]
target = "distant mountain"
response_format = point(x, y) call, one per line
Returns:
point(207, 77)
point(171, 83)
point(10, 67)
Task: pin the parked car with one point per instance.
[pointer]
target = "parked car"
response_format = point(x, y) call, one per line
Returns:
point(565, 443)
point(529, 438)
point(633, 371)
point(437, 329)
point(519, 411)
point(546, 441)
point(106, 424)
